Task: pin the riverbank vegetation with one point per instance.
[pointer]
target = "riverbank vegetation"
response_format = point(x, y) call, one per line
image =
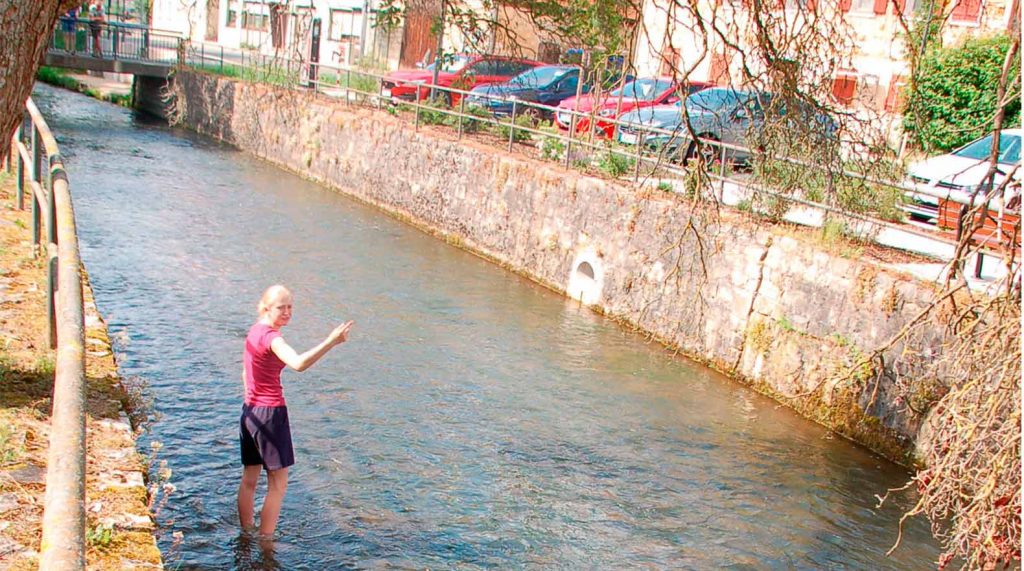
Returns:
point(61, 78)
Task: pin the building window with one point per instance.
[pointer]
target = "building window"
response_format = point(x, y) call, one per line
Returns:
point(859, 6)
point(670, 59)
point(844, 87)
point(896, 96)
point(232, 20)
point(254, 17)
point(345, 23)
point(967, 11)
point(719, 72)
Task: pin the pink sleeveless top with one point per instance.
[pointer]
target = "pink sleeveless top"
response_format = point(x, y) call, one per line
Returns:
point(262, 368)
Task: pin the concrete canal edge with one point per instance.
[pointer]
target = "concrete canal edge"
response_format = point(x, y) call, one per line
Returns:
point(120, 532)
point(765, 306)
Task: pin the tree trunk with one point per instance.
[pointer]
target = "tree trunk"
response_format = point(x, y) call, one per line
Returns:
point(27, 25)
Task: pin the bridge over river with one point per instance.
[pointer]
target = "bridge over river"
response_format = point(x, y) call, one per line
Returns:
point(475, 420)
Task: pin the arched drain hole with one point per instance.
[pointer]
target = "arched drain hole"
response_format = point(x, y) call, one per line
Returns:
point(585, 269)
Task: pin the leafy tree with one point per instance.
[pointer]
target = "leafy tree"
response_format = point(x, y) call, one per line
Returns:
point(955, 98)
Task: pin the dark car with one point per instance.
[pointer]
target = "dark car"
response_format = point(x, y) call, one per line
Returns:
point(720, 114)
point(636, 94)
point(546, 85)
point(459, 71)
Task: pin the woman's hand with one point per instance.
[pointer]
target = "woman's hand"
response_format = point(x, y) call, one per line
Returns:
point(340, 333)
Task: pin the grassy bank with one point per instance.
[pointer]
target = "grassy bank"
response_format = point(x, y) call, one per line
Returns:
point(61, 78)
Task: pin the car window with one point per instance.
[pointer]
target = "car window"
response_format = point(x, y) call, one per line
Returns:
point(485, 67)
point(643, 89)
point(569, 82)
point(1009, 149)
point(519, 67)
point(451, 64)
point(539, 76)
point(712, 100)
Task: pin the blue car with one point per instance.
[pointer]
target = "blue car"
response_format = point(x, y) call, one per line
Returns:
point(546, 85)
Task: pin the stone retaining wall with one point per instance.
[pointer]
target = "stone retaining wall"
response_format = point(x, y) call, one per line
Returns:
point(763, 305)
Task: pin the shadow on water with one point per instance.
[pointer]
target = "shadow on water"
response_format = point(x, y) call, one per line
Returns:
point(475, 420)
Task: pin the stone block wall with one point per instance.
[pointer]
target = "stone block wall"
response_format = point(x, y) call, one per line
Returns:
point(768, 308)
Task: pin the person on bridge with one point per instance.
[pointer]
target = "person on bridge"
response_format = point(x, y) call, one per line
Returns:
point(265, 434)
point(96, 18)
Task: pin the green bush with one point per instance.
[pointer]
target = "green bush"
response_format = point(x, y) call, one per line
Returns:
point(432, 113)
point(954, 99)
point(470, 125)
point(505, 129)
point(615, 164)
point(57, 77)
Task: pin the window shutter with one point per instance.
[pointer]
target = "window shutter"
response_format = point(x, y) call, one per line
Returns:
point(811, 5)
point(719, 73)
point(967, 11)
point(894, 98)
point(843, 88)
point(845, 5)
point(880, 7)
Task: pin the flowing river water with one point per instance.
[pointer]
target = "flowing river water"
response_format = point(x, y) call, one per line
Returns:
point(475, 420)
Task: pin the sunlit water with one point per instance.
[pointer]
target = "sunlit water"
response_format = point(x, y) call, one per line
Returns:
point(475, 420)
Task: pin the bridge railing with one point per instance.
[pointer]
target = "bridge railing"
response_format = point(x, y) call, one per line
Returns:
point(115, 41)
point(43, 181)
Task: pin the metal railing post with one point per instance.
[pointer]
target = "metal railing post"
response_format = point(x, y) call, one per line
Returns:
point(568, 144)
point(21, 169)
point(462, 111)
point(222, 59)
point(34, 177)
point(512, 126)
point(639, 144)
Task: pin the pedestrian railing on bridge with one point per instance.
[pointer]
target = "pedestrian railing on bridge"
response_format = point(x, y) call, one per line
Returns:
point(116, 41)
point(44, 183)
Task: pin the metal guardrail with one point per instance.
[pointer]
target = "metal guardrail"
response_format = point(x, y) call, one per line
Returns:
point(116, 41)
point(40, 171)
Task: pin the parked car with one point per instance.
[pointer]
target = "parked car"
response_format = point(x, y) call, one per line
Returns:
point(461, 71)
point(959, 175)
point(719, 114)
point(639, 93)
point(546, 85)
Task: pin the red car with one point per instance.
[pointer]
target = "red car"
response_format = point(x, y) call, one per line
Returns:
point(643, 92)
point(460, 72)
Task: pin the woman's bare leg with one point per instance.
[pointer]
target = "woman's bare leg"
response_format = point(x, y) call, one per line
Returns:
point(277, 485)
point(247, 495)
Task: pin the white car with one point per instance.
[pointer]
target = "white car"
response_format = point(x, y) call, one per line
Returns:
point(958, 175)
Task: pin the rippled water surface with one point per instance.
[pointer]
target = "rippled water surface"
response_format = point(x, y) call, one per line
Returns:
point(474, 421)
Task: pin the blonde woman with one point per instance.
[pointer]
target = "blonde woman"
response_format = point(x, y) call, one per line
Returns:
point(266, 441)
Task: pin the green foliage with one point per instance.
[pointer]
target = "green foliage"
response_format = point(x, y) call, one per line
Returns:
point(664, 186)
point(10, 448)
point(57, 77)
point(954, 99)
point(470, 125)
point(552, 148)
point(511, 129)
point(614, 163)
point(99, 536)
point(45, 365)
point(432, 112)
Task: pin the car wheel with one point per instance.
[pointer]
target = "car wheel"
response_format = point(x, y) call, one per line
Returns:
point(708, 152)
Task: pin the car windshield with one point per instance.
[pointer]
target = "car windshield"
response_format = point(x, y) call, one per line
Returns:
point(645, 89)
point(1009, 149)
point(451, 64)
point(539, 76)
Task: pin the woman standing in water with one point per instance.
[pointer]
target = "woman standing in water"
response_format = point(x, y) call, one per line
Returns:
point(265, 435)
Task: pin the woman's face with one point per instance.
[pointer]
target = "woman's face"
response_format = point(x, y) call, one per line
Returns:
point(279, 310)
